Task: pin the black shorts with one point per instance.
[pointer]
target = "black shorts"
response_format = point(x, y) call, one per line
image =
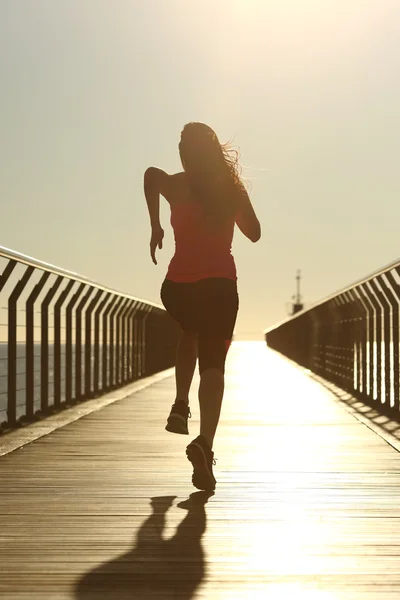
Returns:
point(209, 308)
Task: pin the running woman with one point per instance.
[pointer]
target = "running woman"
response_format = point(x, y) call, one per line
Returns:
point(200, 289)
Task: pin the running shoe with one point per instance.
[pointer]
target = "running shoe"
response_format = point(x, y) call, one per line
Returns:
point(177, 421)
point(202, 458)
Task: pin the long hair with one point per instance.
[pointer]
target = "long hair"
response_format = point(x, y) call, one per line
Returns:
point(213, 170)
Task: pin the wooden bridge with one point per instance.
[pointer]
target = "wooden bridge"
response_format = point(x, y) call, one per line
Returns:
point(101, 507)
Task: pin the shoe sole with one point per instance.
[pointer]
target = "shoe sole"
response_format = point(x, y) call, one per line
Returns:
point(177, 424)
point(202, 478)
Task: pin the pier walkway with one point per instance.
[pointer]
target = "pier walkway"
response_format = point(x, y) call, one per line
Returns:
point(307, 505)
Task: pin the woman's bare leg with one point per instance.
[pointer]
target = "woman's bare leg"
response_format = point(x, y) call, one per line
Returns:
point(186, 357)
point(211, 392)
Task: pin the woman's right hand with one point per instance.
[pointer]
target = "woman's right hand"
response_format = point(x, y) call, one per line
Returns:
point(157, 236)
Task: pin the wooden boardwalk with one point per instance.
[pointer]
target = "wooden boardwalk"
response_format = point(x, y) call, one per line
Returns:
point(307, 504)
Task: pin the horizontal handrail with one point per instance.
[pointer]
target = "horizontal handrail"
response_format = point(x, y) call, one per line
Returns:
point(69, 338)
point(43, 266)
point(352, 339)
point(382, 271)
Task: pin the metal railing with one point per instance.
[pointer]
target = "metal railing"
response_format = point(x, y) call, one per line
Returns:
point(65, 339)
point(351, 339)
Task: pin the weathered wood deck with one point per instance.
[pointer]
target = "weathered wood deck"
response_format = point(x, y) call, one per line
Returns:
point(307, 504)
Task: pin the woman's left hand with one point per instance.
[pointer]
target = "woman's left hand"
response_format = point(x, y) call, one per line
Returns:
point(157, 236)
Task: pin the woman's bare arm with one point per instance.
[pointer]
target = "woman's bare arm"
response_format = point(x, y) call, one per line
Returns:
point(246, 218)
point(155, 183)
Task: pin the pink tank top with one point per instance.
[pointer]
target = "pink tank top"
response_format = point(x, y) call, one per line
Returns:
point(200, 252)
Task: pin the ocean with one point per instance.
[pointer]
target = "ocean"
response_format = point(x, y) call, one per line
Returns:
point(21, 377)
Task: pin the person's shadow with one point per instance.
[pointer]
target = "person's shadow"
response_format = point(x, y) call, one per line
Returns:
point(155, 568)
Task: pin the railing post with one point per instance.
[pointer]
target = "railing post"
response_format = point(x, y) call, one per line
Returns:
point(106, 377)
point(68, 342)
point(131, 339)
point(78, 344)
point(339, 341)
point(57, 339)
point(144, 367)
point(96, 366)
point(383, 307)
point(359, 312)
point(135, 348)
point(118, 349)
point(376, 346)
point(384, 296)
point(9, 268)
point(315, 357)
point(114, 312)
point(30, 346)
point(4, 277)
point(348, 341)
point(363, 337)
point(324, 339)
point(393, 292)
point(139, 346)
point(151, 343)
point(88, 343)
point(124, 341)
point(334, 339)
point(12, 346)
point(44, 347)
point(370, 380)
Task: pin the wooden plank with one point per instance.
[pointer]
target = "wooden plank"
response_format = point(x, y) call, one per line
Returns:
point(306, 507)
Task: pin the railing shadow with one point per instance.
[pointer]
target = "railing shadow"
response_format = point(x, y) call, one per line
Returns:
point(388, 423)
point(155, 568)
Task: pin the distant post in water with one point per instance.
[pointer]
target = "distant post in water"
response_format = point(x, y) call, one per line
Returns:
point(297, 305)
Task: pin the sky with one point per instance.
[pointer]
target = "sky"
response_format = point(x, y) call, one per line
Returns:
point(95, 91)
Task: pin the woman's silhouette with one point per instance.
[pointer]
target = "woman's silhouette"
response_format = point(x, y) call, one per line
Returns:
point(200, 288)
point(155, 567)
